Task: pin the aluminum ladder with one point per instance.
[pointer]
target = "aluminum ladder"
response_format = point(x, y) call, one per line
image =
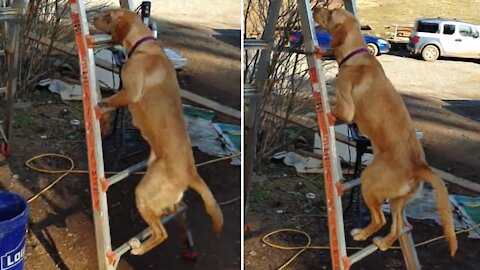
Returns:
point(11, 12)
point(334, 186)
point(108, 258)
point(252, 93)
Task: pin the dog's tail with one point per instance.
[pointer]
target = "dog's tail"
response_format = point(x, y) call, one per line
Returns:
point(443, 206)
point(211, 205)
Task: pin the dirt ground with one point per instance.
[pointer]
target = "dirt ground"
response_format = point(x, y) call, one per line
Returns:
point(61, 231)
point(443, 100)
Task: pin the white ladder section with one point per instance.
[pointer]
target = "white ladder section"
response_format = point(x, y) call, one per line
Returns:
point(334, 188)
point(108, 258)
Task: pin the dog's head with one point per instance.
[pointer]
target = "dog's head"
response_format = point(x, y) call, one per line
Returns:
point(338, 22)
point(117, 23)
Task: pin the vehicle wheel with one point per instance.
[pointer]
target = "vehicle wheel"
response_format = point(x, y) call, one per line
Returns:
point(430, 53)
point(372, 48)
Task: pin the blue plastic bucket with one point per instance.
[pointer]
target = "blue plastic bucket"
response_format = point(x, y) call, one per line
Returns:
point(13, 230)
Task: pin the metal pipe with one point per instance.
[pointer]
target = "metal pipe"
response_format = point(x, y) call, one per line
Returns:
point(363, 253)
point(352, 183)
point(125, 173)
point(408, 248)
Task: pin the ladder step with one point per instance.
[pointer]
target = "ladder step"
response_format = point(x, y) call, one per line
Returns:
point(125, 173)
point(371, 249)
point(255, 44)
point(145, 233)
point(344, 186)
point(363, 253)
point(9, 13)
point(352, 183)
point(100, 40)
point(250, 91)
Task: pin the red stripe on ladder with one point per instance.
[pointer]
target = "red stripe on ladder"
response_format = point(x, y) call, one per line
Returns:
point(87, 106)
point(328, 175)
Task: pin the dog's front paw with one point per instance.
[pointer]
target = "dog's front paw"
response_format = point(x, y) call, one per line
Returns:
point(136, 246)
point(137, 251)
point(380, 243)
point(102, 104)
point(358, 234)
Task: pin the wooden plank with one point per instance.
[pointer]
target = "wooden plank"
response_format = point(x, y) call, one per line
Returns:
point(465, 183)
point(210, 104)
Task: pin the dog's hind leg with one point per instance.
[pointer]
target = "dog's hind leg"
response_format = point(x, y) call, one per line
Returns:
point(159, 234)
point(377, 219)
point(396, 207)
point(369, 178)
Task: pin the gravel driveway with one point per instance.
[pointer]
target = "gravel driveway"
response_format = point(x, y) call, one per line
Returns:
point(442, 79)
point(443, 98)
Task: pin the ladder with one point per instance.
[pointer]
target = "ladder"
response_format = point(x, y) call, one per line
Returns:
point(252, 94)
point(108, 258)
point(11, 12)
point(334, 186)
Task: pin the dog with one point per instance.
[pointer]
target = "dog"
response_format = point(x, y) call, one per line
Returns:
point(365, 96)
point(151, 92)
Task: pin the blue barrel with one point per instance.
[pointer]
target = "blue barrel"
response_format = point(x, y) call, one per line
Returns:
point(13, 230)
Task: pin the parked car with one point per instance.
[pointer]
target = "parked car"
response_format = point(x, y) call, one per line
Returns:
point(375, 45)
point(433, 38)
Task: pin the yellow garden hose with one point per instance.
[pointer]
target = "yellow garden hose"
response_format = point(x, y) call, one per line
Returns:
point(309, 245)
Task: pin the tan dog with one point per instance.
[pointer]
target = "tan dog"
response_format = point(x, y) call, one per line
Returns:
point(364, 95)
point(151, 92)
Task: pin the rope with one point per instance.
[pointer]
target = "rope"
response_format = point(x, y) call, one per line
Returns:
point(308, 245)
point(29, 164)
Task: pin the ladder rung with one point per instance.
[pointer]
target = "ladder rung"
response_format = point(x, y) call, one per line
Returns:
point(9, 13)
point(342, 187)
point(255, 44)
point(352, 183)
point(363, 253)
point(250, 91)
point(370, 249)
point(145, 233)
point(100, 40)
point(125, 173)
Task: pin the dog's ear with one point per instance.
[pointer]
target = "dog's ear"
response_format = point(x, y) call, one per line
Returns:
point(120, 29)
point(338, 36)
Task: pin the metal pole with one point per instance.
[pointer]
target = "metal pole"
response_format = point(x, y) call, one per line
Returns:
point(408, 248)
point(127, 4)
point(261, 76)
point(350, 6)
point(12, 62)
point(11, 16)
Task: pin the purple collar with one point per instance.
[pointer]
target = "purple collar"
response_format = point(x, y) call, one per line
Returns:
point(352, 54)
point(138, 43)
